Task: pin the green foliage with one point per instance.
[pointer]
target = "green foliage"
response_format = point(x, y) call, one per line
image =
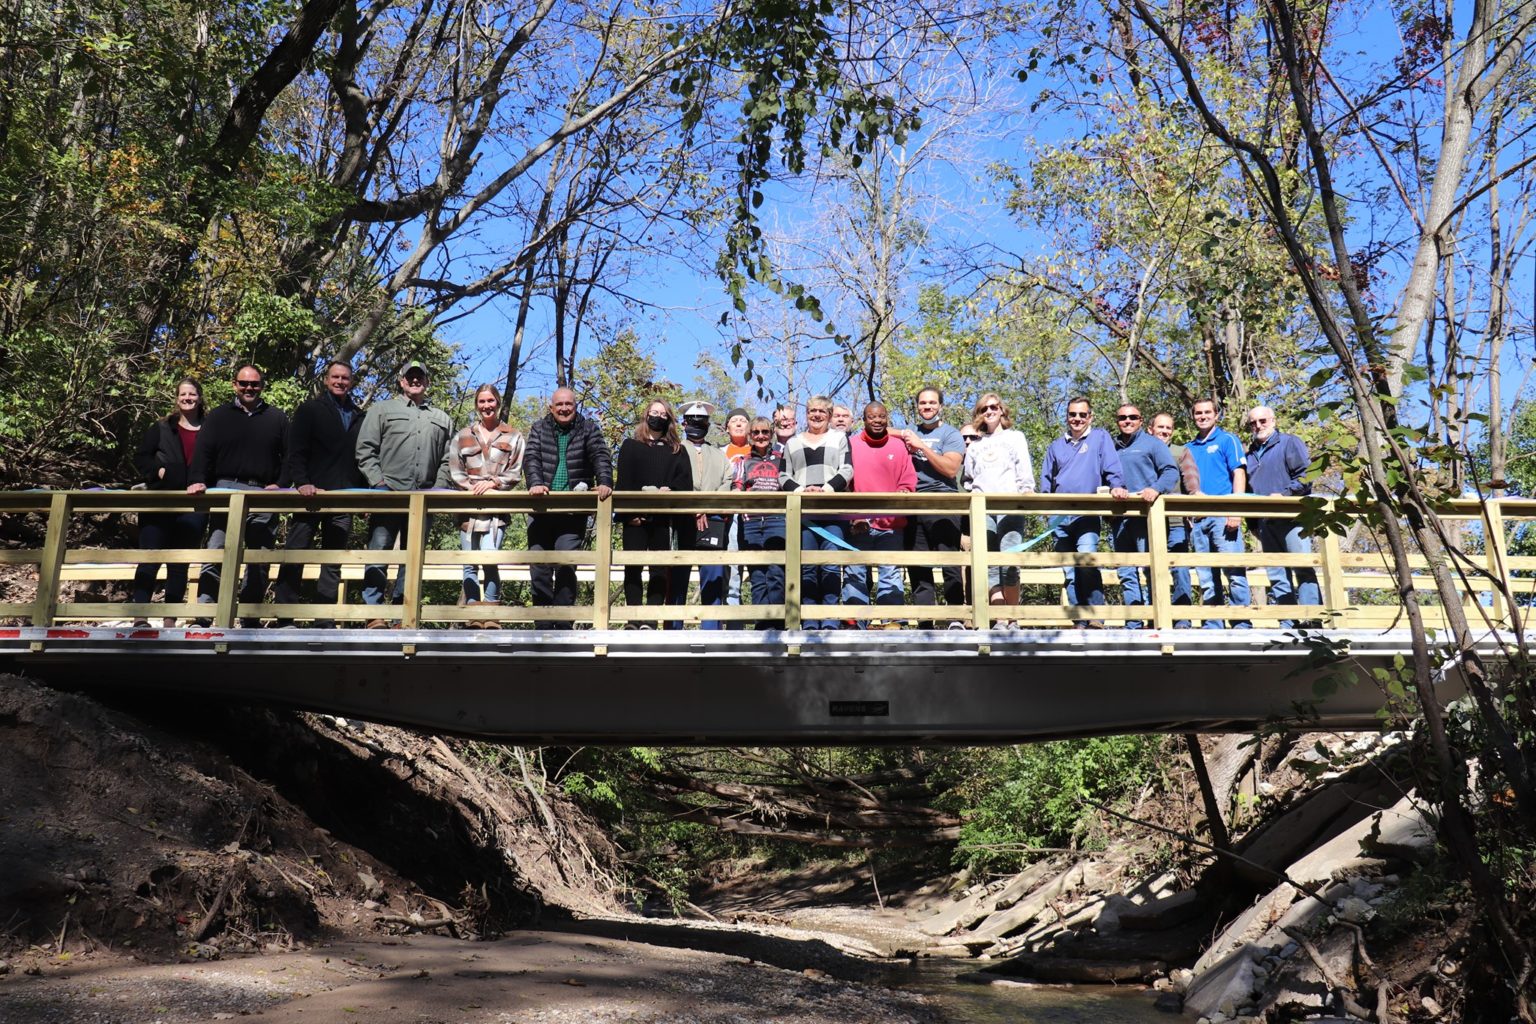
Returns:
point(1029, 797)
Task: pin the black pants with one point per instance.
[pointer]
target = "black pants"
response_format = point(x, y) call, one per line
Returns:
point(934, 533)
point(334, 530)
point(651, 533)
point(554, 586)
point(166, 530)
point(260, 535)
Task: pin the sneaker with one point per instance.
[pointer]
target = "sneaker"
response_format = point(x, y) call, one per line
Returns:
point(957, 624)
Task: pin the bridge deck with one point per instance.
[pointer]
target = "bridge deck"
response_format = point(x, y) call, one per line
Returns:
point(542, 686)
point(602, 684)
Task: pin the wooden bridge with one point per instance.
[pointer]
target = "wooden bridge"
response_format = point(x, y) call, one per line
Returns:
point(924, 682)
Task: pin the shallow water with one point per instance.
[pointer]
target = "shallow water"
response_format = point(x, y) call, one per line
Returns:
point(966, 1002)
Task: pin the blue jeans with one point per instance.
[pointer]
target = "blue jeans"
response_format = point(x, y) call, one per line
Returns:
point(1085, 584)
point(1178, 543)
point(384, 529)
point(482, 540)
point(1004, 532)
point(888, 587)
point(1130, 535)
point(1288, 586)
point(820, 584)
point(765, 533)
point(1211, 535)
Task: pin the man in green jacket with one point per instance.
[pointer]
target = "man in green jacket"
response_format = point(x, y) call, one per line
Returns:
point(403, 446)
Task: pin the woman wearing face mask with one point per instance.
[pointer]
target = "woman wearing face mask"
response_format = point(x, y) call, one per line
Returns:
point(485, 456)
point(652, 460)
point(162, 460)
point(999, 463)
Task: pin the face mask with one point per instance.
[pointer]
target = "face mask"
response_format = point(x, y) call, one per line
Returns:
point(927, 421)
point(695, 429)
point(658, 423)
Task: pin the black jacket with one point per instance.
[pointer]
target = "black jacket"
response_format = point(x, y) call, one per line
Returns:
point(236, 446)
point(587, 459)
point(320, 451)
point(161, 449)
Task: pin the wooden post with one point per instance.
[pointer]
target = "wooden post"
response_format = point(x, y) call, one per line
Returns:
point(980, 609)
point(51, 565)
point(1497, 548)
point(1159, 574)
point(793, 591)
point(602, 573)
point(1335, 597)
point(234, 555)
point(415, 542)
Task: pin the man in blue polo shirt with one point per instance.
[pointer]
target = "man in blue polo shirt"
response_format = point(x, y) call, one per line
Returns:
point(1150, 472)
point(1278, 464)
point(1223, 470)
point(1080, 461)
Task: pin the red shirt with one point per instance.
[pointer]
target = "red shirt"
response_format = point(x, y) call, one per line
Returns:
point(188, 442)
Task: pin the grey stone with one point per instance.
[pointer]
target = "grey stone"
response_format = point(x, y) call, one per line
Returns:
point(1165, 912)
point(1399, 831)
point(981, 901)
point(1248, 926)
point(1169, 1002)
point(1225, 985)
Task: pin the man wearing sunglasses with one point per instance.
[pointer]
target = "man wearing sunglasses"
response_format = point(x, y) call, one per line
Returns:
point(1080, 461)
point(1150, 472)
point(241, 447)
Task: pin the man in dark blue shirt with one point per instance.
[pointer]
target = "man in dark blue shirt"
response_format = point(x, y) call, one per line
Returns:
point(1080, 461)
point(1150, 472)
point(1277, 466)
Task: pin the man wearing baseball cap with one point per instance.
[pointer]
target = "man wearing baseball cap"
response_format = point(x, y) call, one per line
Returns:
point(402, 446)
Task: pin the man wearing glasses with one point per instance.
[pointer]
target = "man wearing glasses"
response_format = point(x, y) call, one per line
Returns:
point(402, 446)
point(1277, 465)
point(1149, 472)
point(1080, 461)
point(240, 447)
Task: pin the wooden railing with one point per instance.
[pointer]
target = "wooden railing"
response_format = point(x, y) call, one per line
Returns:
point(1357, 588)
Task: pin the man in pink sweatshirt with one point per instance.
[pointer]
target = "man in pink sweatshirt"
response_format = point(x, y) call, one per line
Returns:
point(881, 465)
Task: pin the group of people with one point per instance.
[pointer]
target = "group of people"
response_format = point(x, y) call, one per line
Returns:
point(406, 443)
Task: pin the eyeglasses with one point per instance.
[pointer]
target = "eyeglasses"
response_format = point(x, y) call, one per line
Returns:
point(760, 433)
point(1128, 416)
point(1078, 415)
point(992, 407)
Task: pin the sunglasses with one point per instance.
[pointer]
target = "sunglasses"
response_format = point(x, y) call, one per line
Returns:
point(760, 433)
point(971, 437)
point(1078, 415)
point(994, 407)
point(1128, 417)
point(248, 384)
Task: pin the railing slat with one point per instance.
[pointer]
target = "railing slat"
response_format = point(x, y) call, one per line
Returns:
point(52, 562)
point(234, 549)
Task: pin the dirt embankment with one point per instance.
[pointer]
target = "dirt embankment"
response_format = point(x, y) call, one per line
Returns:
point(147, 875)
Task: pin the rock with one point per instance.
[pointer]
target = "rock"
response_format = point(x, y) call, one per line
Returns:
point(1169, 1002)
point(1314, 820)
point(1027, 909)
point(1110, 919)
point(1301, 987)
point(1164, 912)
point(981, 901)
point(5, 967)
point(372, 890)
point(1225, 985)
point(1248, 926)
point(1161, 887)
point(1431, 1007)
point(1399, 828)
point(1354, 910)
point(1181, 978)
